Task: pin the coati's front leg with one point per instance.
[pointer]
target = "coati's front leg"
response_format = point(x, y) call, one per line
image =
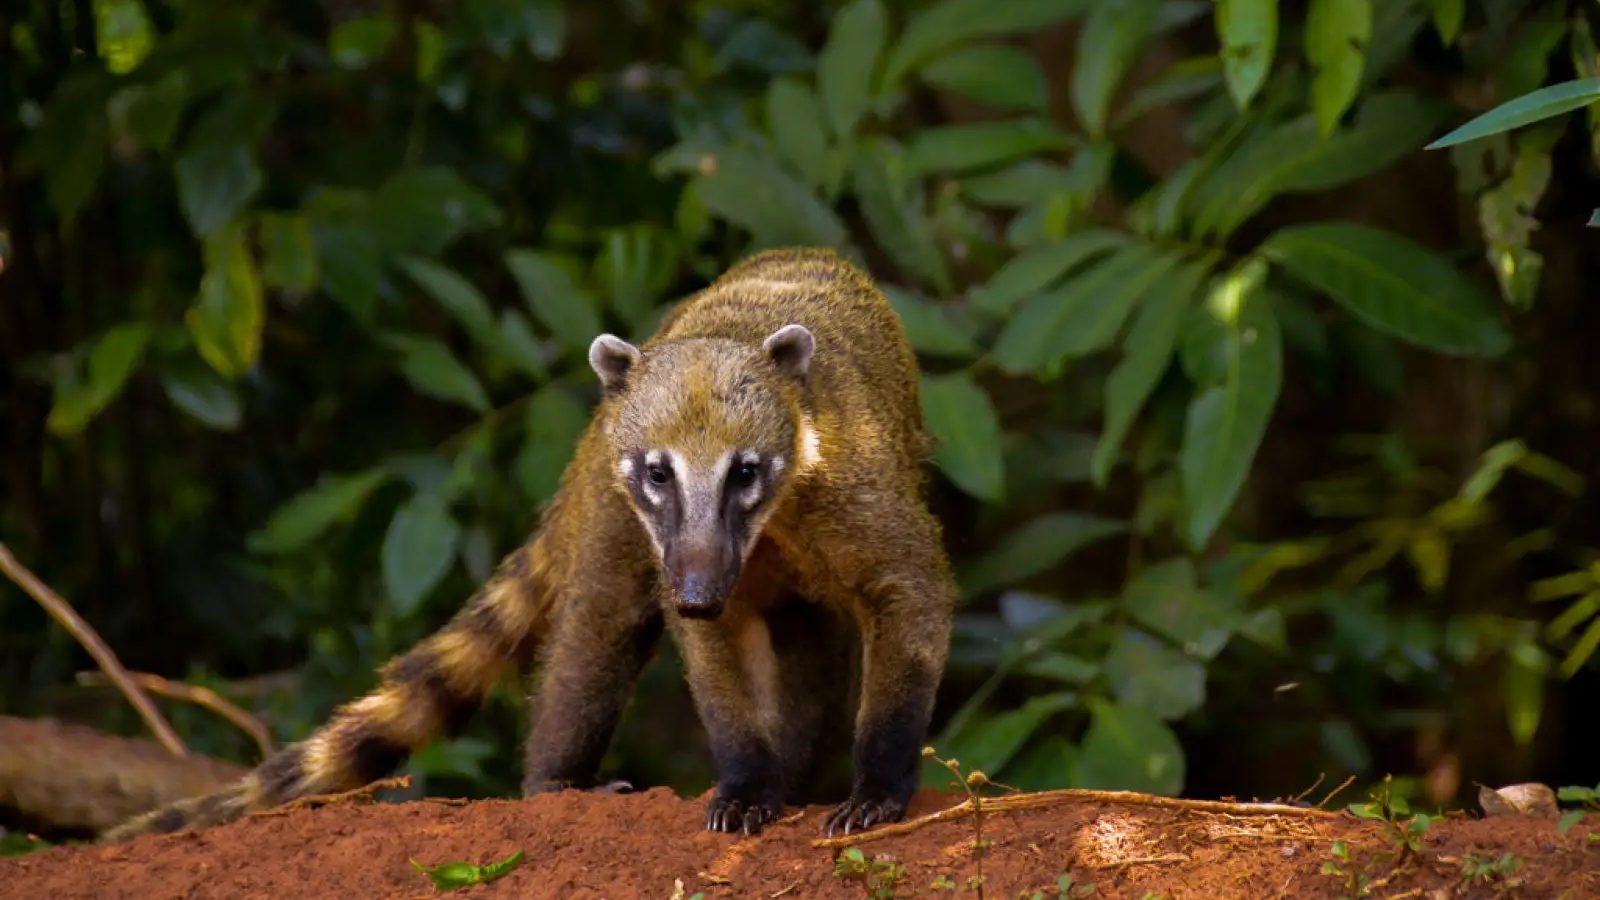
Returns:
point(904, 614)
point(733, 676)
point(591, 664)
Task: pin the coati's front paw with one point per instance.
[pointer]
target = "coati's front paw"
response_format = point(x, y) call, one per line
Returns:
point(859, 814)
point(733, 814)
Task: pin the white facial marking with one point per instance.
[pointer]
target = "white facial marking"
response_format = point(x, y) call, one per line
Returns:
point(700, 492)
point(810, 444)
point(626, 467)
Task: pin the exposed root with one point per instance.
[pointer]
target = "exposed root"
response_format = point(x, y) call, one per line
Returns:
point(361, 794)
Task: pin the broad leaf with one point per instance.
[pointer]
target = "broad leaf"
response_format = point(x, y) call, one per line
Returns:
point(846, 64)
point(555, 421)
point(927, 327)
point(1337, 32)
point(215, 181)
point(893, 207)
point(1248, 30)
point(1108, 45)
point(1082, 315)
point(548, 288)
point(1185, 79)
point(351, 268)
point(1227, 421)
point(795, 119)
point(778, 209)
point(1036, 547)
point(1019, 184)
point(1037, 268)
point(304, 517)
point(993, 74)
point(951, 22)
point(469, 307)
point(1447, 18)
point(357, 43)
point(1146, 352)
point(992, 742)
point(417, 551)
point(227, 318)
point(288, 254)
point(424, 210)
point(966, 432)
point(1167, 599)
point(1393, 285)
point(1128, 748)
point(433, 370)
point(1146, 673)
point(978, 145)
point(635, 266)
point(1541, 104)
point(199, 392)
point(112, 358)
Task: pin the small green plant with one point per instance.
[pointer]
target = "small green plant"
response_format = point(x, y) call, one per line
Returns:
point(17, 843)
point(1587, 800)
point(1405, 831)
point(1352, 878)
point(942, 883)
point(453, 875)
point(1488, 869)
point(1065, 888)
point(973, 783)
point(879, 876)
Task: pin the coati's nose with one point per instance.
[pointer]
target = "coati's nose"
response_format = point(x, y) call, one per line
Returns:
point(698, 597)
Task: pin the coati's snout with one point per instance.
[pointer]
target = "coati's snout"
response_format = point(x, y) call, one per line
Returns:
point(700, 578)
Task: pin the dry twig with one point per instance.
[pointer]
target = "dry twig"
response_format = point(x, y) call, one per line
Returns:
point(62, 612)
point(364, 792)
point(199, 696)
point(1051, 798)
point(1342, 785)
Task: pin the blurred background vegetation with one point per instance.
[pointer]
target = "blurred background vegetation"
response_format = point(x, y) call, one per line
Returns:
point(1265, 434)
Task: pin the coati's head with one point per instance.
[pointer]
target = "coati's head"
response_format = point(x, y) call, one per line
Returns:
point(707, 433)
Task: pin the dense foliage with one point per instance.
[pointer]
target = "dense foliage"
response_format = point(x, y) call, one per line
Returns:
point(1262, 431)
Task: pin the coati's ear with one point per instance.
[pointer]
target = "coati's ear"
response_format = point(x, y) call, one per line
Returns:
point(611, 357)
point(790, 349)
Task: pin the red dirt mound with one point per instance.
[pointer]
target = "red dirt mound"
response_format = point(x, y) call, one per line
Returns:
point(642, 845)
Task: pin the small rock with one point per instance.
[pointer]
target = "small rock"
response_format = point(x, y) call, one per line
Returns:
point(1530, 799)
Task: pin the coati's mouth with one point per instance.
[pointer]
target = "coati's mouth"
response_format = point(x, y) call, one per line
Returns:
point(701, 595)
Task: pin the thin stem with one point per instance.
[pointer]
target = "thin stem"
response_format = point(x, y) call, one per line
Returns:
point(199, 696)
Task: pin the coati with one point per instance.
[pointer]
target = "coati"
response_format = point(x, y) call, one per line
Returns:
point(751, 483)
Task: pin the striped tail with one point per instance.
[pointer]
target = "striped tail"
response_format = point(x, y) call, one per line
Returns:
point(430, 690)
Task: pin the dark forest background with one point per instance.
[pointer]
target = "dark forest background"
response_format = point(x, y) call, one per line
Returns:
point(1266, 436)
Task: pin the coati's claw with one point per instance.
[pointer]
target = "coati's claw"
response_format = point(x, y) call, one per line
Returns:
point(859, 815)
point(731, 815)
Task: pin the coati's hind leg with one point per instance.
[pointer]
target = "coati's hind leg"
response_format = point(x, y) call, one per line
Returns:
point(811, 644)
point(590, 667)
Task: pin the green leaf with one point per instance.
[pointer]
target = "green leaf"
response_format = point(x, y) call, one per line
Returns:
point(1036, 547)
point(1594, 220)
point(433, 370)
point(1145, 354)
point(1111, 40)
point(847, 61)
point(417, 551)
point(966, 430)
point(1167, 599)
point(154, 110)
point(951, 22)
point(1568, 819)
point(1337, 32)
point(424, 210)
point(1185, 79)
point(1035, 269)
point(1127, 748)
point(468, 306)
point(1527, 670)
point(795, 119)
point(1393, 285)
point(199, 392)
point(931, 333)
point(993, 74)
point(635, 267)
point(978, 145)
point(555, 422)
point(228, 316)
point(288, 254)
point(774, 206)
point(215, 181)
point(1019, 184)
point(307, 515)
point(1081, 316)
point(1227, 421)
point(1447, 18)
point(1248, 30)
point(995, 741)
point(569, 311)
point(351, 268)
point(357, 43)
point(1145, 673)
point(893, 207)
point(112, 359)
point(1541, 104)
point(454, 875)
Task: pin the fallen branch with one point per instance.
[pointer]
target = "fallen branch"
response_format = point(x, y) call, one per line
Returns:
point(199, 696)
point(1052, 798)
point(365, 792)
point(62, 612)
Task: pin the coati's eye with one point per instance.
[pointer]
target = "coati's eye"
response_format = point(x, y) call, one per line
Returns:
point(658, 474)
point(745, 474)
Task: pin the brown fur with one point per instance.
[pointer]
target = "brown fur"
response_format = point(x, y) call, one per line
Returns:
point(847, 540)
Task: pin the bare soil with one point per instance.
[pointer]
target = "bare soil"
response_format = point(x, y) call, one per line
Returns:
point(582, 845)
